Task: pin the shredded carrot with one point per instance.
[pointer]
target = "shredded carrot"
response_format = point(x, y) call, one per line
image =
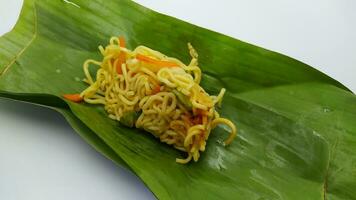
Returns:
point(118, 68)
point(187, 120)
point(156, 89)
point(122, 55)
point(122, 41)
point(160, 63)
point(121, 60)
point(73, 97)
point(197, 120)
point(197, 111)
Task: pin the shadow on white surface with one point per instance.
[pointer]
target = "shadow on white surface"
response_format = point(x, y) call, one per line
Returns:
point(41, 157)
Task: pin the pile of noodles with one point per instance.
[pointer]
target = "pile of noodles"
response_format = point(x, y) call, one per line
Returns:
point(160, 94)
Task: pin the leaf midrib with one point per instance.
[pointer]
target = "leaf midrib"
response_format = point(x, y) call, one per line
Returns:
point(34, 36)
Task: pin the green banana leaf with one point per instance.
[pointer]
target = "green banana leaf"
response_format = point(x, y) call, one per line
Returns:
point(23, 33)
point(297, 130)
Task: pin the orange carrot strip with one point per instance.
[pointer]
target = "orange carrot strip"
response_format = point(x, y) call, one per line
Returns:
point(73, 97)
point(160, 63)
point(156, 89)
point(187, 121)
point(121, 60)
point(118, 68)
point(122, 41)
point(197, 120)
point(122, 55)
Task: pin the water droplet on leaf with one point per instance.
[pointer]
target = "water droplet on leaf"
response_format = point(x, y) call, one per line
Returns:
point(326, 110)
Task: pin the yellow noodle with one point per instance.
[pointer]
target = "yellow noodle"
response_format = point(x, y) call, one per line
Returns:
point(228, 123)
point(159, 112)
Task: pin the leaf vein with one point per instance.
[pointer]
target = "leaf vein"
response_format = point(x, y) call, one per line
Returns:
point(7, 67)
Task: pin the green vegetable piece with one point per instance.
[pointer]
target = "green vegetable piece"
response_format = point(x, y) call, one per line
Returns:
point(129, 118)
point(183, 99)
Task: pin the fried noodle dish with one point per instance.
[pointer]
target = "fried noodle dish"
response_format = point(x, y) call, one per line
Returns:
point(148, 90)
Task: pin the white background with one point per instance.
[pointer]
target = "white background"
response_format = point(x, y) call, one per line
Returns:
point(41, 157)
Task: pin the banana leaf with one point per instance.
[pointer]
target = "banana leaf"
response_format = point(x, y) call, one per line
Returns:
point(23, 33)
point(297, 130)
